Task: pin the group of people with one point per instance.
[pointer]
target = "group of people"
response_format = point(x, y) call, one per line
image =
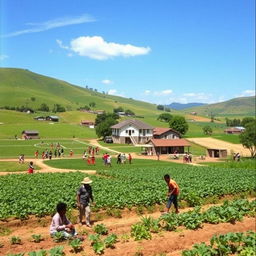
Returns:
point(60, 222)
point(187, 158)
point(121, 158)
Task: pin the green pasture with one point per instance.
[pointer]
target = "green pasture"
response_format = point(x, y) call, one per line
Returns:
point(15, 167)
point(244, 163)
point(79, 164)
point(13, 148)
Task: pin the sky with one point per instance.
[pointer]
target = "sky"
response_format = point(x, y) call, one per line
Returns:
point(159, 51)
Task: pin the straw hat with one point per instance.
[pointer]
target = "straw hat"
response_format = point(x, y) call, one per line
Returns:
point(86, 180)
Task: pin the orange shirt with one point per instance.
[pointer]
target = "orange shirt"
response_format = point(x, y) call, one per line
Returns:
point(173, 185)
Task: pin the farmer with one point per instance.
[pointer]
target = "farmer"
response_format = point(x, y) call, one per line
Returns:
point(172, 194)
point(60, 222)
point(31, 167)
point(84, 196)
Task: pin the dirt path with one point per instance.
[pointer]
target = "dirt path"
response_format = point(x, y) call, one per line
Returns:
point(170, 243)
point(44, 167)
point(220, 144)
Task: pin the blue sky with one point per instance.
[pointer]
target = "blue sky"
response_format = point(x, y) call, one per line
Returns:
point(160, 51)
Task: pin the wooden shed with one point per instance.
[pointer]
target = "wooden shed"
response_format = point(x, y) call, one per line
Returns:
point(29, 134)
point(217, 153)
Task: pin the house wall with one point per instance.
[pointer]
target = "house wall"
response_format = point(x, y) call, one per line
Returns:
point(167, 135)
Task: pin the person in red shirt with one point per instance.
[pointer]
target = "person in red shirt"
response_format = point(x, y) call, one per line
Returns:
point(172, 194)
point(31, 168)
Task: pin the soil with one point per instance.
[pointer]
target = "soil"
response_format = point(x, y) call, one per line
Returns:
point(169, 243)
point(220, 144)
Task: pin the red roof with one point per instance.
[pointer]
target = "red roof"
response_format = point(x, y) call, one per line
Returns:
point(87, 122)
point(161, 130)
point(169, 142)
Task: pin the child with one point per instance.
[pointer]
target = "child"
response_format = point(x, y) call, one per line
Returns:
point(31, 167)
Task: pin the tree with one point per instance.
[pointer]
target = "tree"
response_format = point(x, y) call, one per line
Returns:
point(104, 128)
point(207, 130)
point(247, 120)
point(129, 112)
point(160, 107)
point(44, 107)
point(248, 137)
point(92, 104)
point(179, 124)
point(33, 98)
point(164, 117)
point(58, 108)
point(101, 118)
point(118, 109)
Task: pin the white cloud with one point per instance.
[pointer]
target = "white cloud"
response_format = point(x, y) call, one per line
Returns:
point(147, 92)
point(3, 57)
point(51, 24)
point(247, 93)
point(96, 47)
point(115, 92)
point(59, 42)
point(197, 96)
point(107, 81)
point(163, 93)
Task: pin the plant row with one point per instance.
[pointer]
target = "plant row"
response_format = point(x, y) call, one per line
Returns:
point(119, 188)
point(230, 211)
point(242, 244)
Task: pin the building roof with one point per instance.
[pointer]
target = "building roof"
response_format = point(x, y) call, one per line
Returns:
point(54, 117)
point(161, 130)
point(169, 142)
point(233, 129)
point(134, 122)
point(30, 132)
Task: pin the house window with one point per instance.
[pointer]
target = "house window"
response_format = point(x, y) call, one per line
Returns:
point(132, 131)
point(126, 131)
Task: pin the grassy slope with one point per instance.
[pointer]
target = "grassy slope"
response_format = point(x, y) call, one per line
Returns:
point(244, 106)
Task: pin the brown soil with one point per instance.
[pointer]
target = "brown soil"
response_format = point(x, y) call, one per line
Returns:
point(170, 243)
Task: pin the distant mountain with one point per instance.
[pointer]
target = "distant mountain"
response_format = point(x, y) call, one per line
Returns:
point(180, 106)
point(243, 106)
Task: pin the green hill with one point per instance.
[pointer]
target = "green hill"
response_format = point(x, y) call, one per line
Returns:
point(22, 87)
point(244, 106)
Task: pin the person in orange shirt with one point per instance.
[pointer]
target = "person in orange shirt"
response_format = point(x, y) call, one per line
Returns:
point(172, 194)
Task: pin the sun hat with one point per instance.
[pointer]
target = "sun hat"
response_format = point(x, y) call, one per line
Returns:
point(86, 180)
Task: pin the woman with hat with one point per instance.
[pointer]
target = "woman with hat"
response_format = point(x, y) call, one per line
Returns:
point(84, 196)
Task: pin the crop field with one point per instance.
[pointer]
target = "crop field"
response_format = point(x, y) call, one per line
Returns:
point(13, 148)
point(118, 188)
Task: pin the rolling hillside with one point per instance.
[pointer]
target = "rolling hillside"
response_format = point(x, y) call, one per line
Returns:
point(244, 106)
point(22, 87)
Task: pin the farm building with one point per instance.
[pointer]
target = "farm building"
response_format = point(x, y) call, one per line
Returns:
point(234, 130)
point(131, 131)
point(165, 133)
point(87, 123)
point(52, 118)
point(217, 153)
point(29, 134)
point(167, 146)
point(39, 118)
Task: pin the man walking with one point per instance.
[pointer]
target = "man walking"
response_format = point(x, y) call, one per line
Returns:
point(84, 196)
point(172, 194)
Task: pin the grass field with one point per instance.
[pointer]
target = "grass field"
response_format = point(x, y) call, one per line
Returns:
point(15, 167)
point(13, 148)
point(79, 164)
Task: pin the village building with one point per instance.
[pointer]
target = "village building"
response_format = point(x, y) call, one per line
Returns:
point(131, 131)
point(39, 118)
point(165, 133)
point(52, 118)
point(30, 134)
point(217, 152)
point(87, 123)
point(167, 146)
point(234, 130)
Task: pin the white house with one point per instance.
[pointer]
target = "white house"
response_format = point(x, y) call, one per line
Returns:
point(131, 132)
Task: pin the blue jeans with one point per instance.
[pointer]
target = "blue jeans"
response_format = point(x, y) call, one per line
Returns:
point(172, 199)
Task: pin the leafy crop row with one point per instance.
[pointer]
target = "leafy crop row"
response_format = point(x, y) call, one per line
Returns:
point(242, 244)
point(22, 194)
point(228, 212)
